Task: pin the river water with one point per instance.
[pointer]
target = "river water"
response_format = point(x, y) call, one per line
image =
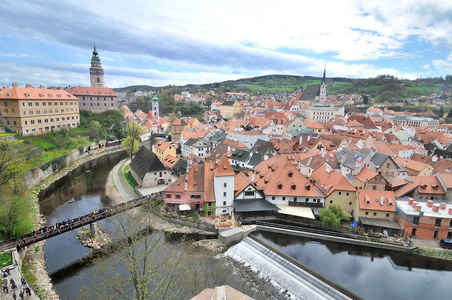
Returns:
point(369, 273)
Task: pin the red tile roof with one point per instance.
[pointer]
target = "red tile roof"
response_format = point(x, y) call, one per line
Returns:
point(92, 91)
point(371, 200)
point(224, 168)
point(329, 180)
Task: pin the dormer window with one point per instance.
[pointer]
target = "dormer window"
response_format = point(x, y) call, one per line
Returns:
point(51, 95)
point(293, 186)
point(290, 173)
point(308, 186)
point(279, 186)
point(28, 95)
point(8, 94)
point(59, 95)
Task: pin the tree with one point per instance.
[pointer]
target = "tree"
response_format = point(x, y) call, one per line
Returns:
point(131, 142)
point(130, 145)
point(14, 215)
point(365, 99)
point(332, 216)
point(6, 164)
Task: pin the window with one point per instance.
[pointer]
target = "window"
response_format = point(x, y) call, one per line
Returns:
point(435, 234)
point(26, 123)
point(349, 203)
point(225, 184)
point(450, 224)
point(224, 202)
point(177, 196)
point(375, 214)
point(168, 195)
point(249, 193)
point(347, 194)
point(387, 165)
point(367, 213)
point(39, 121)
point(340, 193)
point(438, 223)
point(387, 215)
point(331, 201)
point(224, 194)
point(273, 198)
point(284, 198)
point(30, 104)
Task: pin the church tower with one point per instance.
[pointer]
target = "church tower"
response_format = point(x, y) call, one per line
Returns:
point(96, 73)
point(155, 106)
point(322, 96)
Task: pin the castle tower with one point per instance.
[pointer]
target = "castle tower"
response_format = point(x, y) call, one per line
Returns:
point(322, 96)
point(96, 73)
point(155, 106)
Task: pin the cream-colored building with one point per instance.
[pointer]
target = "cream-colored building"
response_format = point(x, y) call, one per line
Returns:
point(37, 110)
point(323, 113)
point(230, 108)
point(95, 99)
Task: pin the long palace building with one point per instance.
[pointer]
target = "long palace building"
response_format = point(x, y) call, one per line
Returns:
point(31, 110)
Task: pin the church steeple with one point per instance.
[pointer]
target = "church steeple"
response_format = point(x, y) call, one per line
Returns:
point(96, 72)
point(322, 96)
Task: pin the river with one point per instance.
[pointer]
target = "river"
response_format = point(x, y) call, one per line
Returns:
point(369, 273)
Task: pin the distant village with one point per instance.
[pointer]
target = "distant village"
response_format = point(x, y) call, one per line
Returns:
point(391, 171)
point(288, 154)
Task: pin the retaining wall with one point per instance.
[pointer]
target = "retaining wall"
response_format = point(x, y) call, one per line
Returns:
point(334, 238)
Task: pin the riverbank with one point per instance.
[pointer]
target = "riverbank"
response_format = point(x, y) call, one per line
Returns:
point(118, 192)
point(34, 260)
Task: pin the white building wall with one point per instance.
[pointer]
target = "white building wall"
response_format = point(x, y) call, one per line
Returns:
point(224, 194)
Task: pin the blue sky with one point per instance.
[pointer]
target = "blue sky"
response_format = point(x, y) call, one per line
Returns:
point(179, 42)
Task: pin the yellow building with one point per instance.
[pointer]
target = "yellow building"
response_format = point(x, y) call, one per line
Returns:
point(375, 204)
point(338, 189)
point(230, 108)
point(163, 149)
point(37, 110)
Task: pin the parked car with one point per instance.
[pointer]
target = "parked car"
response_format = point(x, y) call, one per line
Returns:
point(446, 244)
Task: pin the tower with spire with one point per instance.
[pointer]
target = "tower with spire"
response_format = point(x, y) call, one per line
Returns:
point(155, 106)
point(96, 73)
point(322, 94)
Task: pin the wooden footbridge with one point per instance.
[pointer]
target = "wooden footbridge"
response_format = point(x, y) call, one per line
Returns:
point(61, 227)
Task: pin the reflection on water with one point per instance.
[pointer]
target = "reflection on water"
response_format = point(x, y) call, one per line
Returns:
point(369, 273)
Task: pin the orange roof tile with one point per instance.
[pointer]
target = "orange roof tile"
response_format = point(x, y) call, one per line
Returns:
point(224, 168)
point(209, 194)
point(366, 174)
point(277, 176)
point(92, 91)
point(371, 200)
point(35, 94)
point(329, 180)
point(162, 145)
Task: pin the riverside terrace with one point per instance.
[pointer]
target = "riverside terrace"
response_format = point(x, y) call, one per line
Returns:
point(61, 227)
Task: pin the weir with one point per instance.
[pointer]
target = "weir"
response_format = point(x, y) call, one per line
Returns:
point(287, 273)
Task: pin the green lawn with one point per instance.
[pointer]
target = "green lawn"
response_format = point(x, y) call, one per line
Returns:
point(6, 259)
point(130, 180)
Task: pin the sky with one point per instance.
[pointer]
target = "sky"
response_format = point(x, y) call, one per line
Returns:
point(157, 43)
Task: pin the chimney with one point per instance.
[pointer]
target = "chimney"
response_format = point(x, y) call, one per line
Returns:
point(414, 204)
point(1, 92)
point(435, 208)
point(309, 137)
point(405, 163)
point(442, 205)
point(301, 139)
point(15, 84)
point(418, 208)
point(450, 211)
point(28, 85)
point(410, 201)
point(252, 177)
point(382, 200)
point(42, 86)
point(429, 203)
